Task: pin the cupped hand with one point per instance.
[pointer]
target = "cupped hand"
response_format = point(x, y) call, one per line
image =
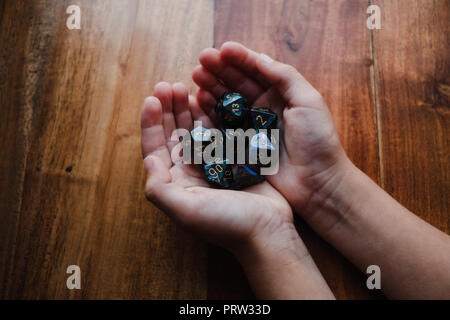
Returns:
point(232, 219)
point(312, 160)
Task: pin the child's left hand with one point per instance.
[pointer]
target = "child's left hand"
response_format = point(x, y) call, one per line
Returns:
point(232, 219)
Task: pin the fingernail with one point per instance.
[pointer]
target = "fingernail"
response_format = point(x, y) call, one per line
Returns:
point(148, 163)
point(265, 58)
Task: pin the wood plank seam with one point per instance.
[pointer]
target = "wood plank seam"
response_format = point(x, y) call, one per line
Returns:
point(376, 104)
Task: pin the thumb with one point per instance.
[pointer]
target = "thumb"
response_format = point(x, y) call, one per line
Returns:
point(291, 85)
point(167, 196)
point(158, 176)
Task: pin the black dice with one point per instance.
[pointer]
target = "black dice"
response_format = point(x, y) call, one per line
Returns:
point(251, 153)
point(262, 118)
point(196, 141)
point(219, 173)
point(245, 176)
point(218, 140)
point(232, 110)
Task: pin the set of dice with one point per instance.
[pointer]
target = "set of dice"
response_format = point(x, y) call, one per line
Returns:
point(234, 112)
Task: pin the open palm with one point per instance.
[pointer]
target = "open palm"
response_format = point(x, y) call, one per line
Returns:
point(225, 217)
point(310, 148)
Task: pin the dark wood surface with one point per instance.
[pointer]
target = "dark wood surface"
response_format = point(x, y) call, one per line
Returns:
point(71, 177)
point(413, 85)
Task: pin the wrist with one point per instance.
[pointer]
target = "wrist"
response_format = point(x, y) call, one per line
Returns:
point(333, 204)
point(280, 267)
point(283, 245)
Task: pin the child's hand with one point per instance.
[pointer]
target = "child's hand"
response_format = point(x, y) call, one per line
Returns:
point(232, 219)
point(312, 159)
point(340, 202)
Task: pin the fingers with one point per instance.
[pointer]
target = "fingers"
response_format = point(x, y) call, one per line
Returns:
point(153, 138)
point(181, 110)
point(234, 79)
point(163, 91)
point(208, 103)
point(243, 59)
point(198, 113)
point(291, 85)
point(207, 81)
point(176, 113)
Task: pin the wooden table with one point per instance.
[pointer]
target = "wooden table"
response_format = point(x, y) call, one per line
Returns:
point(71, 175)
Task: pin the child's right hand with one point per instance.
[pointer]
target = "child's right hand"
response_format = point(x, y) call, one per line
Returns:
point(339, 201)
point(312, 160)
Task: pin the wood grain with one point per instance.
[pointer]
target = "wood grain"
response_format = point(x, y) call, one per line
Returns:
point(329, 44)
point(72, 180)
point(412, 61)
point(14, 124)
